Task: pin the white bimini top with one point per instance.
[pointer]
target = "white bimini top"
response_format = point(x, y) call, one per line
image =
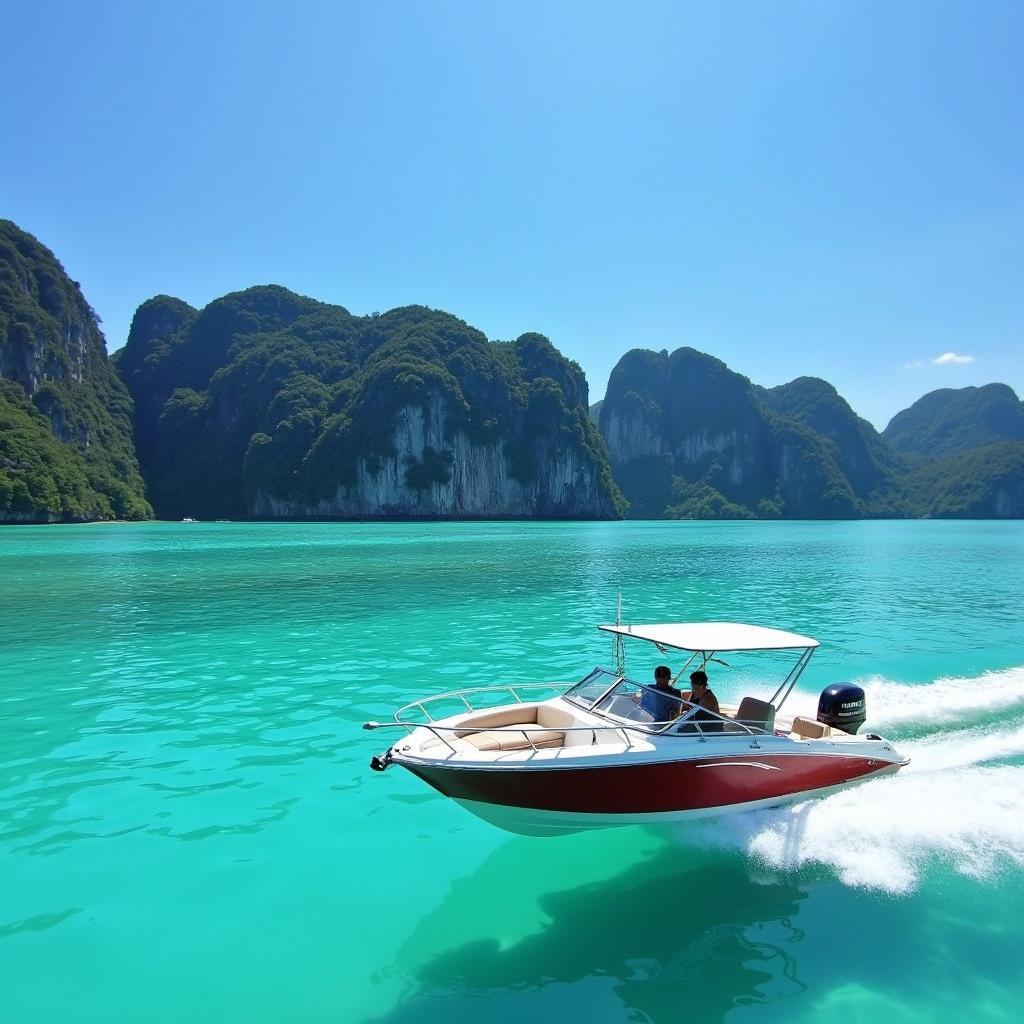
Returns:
point(714, 636)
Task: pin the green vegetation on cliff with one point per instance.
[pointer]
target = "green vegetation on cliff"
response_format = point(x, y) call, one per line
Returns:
point(56, 376)
point(863, 458)
point(955, 420)
point(267, 399)
point(689, 438)
point(981, 483)
point(273, 404)
point(40, 478)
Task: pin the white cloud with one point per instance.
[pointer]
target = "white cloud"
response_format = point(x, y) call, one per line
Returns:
point(914, 365)
point(951, 357)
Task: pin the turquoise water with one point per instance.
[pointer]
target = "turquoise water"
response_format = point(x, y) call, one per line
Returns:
point(189, 831)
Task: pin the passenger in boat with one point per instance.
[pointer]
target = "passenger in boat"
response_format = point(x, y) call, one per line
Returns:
point(663, 701)
point(700, 695)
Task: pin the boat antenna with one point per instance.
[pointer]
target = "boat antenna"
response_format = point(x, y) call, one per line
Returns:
point(618, 644)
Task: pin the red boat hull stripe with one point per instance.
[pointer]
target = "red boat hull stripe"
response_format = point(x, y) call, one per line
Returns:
point(647, 788)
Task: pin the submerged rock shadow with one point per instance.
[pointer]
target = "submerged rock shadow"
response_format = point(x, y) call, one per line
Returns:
point(669, 944)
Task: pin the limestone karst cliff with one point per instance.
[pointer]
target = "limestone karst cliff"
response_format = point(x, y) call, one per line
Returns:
point(690, 438)
point(269, 404)
point(66, 449)
point(478, 482)
point(273, 405)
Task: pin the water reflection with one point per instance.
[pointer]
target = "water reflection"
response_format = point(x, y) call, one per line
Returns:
point(665, 939)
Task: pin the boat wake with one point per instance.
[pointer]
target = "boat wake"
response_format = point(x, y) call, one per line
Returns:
point(959, 804)
point(901, 708)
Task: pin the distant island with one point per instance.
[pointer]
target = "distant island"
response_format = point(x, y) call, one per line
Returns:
point(691, 439)
point(268, 404)
point(271, 405)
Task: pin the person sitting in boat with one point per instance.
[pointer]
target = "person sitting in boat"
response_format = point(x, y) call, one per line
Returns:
point(662, 700)
point(705, 700)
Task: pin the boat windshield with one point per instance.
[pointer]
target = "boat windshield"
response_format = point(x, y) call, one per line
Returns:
point(591, 687)
point(607, 694)
point(636, 702)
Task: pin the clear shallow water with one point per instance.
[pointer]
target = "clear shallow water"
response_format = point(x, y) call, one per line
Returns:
point(189, 831)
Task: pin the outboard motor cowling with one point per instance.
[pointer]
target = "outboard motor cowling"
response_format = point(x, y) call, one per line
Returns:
point(842, 706)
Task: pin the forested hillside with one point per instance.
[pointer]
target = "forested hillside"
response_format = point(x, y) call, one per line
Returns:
point(66, 450)
point(955, 420)
point(690, 438)
point(270, 404)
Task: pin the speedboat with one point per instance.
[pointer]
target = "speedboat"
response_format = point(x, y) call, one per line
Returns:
point(553, 758)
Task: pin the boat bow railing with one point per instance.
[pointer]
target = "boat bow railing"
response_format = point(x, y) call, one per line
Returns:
point(474, 691)
point(709, 724)
point(438, 730)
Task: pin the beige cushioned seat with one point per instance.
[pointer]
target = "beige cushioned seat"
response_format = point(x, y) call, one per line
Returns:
point(512, 738)
point(497, 720)
point(503, 730)
point(808, 729)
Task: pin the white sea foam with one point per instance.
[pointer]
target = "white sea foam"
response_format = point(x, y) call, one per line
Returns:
point(952, 805)
point(948, 700)
point(962, 749)
point(945, 701)
point(884, 834)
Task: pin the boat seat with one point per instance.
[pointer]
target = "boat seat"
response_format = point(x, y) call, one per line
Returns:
point(512, 738)
point(549, 718)
point(552, 718)
point(756, 713)
point(497, 720)
point(809, 729)
point(503, 730)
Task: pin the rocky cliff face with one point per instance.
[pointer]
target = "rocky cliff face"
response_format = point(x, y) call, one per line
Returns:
point(480, 484)
point(866, 462)
point(688, 437)
point(267, 404)
point(32, 354)
point(1008, 501)
point(150, 343)
point(51, 348)
point(50, 332)
point(631, 434)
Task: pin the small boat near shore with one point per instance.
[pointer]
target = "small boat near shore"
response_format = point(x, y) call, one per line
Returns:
point(589, 754)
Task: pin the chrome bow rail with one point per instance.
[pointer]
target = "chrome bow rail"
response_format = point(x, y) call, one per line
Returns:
point(464, 695)
point(709, 724)
point(437, 730)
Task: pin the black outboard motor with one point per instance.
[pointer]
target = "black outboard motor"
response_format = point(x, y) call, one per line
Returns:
point(842, 706)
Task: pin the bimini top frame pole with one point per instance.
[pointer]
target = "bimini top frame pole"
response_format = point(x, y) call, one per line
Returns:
point(790, 681)
point(707, 638)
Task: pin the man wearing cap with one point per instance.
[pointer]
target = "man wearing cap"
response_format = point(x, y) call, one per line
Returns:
point(661, 701)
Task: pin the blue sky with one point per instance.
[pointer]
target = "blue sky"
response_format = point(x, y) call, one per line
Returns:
point(831, 189)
